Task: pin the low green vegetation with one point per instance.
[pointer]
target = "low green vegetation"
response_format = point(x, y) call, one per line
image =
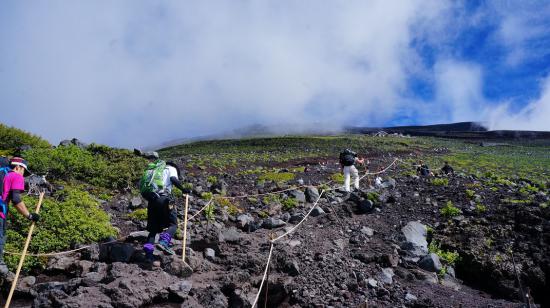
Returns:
point(206, 195)
point(481, 208)
point(212, 180)
point(279, 177)
point(228, 205)
point(449, 210)
point(337, 178)
point(97, 165)
point(373, 196)
point(448, 258)
point(440, 181)
point(209, 212)
point(289, 203)
point(470, 193)
point(139, 214)
point(11, 139)
point(70, 217)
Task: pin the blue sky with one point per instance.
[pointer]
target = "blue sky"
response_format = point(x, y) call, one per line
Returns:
point(136, 73)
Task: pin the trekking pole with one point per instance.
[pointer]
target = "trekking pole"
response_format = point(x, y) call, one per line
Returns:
point(185, 228)
point(23, 253)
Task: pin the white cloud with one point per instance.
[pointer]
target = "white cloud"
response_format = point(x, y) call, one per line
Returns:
point(136, 73)
point(535, 116)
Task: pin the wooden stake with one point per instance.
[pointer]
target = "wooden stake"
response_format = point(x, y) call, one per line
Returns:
point(185, 229)
point(23, 253)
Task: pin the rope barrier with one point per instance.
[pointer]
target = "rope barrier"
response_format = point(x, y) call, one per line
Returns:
point(301, 221)
point(265, 275)
point(51, 254)
point(273, 241)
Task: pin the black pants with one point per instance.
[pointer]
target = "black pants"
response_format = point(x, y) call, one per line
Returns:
point(161, 215)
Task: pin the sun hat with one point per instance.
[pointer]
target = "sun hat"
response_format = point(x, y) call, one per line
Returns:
point(18, 161)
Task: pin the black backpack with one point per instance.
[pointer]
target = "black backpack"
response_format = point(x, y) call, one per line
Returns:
point(347, 157)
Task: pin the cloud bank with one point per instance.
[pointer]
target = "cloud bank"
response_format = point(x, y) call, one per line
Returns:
point(136, 73)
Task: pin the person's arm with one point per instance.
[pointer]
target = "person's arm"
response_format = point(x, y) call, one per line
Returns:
point(176, 182)
point(21, 207)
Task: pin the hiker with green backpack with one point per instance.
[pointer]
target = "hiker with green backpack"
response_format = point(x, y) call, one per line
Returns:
point(156, 187)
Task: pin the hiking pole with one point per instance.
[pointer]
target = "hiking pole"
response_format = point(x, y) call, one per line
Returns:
point(185, 228)
point(23, 253)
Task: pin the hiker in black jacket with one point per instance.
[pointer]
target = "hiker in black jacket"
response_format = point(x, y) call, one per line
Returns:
point(348, 159)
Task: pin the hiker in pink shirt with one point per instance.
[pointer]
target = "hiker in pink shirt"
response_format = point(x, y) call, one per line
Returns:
point(13, 185)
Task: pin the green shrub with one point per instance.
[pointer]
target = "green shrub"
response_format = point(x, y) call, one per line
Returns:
point(481, 208)
point(139, 214)
point(373, 196)
point(337, 178)
point(449, 210)
point(75, 219)
point(470, 193)
point(277, 176)
point(271, 199)
point(97, 165)
point(209, 212)
point(229, 206)
point(12, 138)
point(206, 195)
point(289, 203)
point(212, 179)
point(440, 181)
point(449, 258)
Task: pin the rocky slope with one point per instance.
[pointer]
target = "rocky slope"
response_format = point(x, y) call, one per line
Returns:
point(384, 246)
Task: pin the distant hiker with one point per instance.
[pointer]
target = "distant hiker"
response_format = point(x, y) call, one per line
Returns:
point(447, 169)
point(348, 158)
point(423, 169)
point(156, 187)
point(13, 183)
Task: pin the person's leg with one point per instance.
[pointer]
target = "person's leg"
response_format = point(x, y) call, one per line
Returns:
point(3, 267)
point(149, 246)
point(170, 220)
point(355, 175)
point(347, 178)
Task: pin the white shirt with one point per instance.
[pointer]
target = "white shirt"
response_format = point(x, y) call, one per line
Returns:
point(169, 172)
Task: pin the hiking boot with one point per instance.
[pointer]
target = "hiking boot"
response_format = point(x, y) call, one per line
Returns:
point(166, 247)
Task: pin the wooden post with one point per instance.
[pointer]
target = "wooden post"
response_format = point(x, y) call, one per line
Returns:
point(23, 253)
point(185, 229)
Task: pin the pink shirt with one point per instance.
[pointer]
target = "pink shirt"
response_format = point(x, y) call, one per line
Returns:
point(12, 181)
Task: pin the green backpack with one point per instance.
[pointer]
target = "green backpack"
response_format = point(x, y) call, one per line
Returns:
point(152, 180)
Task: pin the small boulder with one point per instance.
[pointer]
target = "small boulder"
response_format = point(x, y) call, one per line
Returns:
point(386, 276)
point(244, 221)
point(317, 211)
point(151, 155)
point(365, 206)
point(272, 223)
point(135, 202)
point(431, 263)
point(298, 195)
point(230, 235)
point(367, 231)
point(312, 194)
point(296, 218)
point(209, 254)
point(415, 239)
point(181, 289)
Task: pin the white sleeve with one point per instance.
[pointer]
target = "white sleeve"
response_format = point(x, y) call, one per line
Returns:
point(172, 172)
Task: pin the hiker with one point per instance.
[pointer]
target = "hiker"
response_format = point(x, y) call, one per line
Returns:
point(156, 187)
point(423, 169)
point(447, 169)
point(13, 183)
point(348, 159)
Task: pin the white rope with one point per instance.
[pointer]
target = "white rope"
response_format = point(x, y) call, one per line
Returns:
point(265, 275)
point(301, 221)
point(273, 241)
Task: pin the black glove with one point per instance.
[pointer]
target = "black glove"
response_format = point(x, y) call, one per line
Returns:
point(34, 217)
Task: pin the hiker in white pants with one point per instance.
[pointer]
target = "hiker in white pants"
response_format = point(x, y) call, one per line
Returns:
point(348, 159)
point(351, 170)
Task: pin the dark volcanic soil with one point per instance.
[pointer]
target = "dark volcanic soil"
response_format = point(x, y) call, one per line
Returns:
point(342, 258)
